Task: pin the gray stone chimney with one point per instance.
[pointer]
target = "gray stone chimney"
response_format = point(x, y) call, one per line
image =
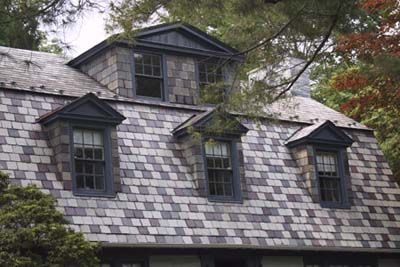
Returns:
point(285, 70)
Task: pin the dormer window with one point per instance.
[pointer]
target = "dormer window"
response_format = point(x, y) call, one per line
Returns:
point(329, 176)
point(89, 159)
point(148, 75)
point(209, 74)
point(221, 179)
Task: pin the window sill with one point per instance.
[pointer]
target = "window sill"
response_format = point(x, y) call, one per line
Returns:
point(328, 205)
point(225, 200)
point(94, 194)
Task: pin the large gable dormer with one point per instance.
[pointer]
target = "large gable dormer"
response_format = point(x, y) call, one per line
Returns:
point(169, 62)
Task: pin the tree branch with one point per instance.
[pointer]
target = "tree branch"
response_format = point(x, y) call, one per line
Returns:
point(319, 48)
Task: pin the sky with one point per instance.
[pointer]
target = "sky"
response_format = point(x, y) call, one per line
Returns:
point(88, 31)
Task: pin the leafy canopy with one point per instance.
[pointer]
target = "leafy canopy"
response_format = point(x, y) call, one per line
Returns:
point(33, 233)
point(364, 82)
point(22, 22)
point(266, 31)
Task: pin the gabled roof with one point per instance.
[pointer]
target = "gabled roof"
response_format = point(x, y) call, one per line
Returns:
point(187, 33)
point(174, 37)
point(200, 122)
point(88, 108)
point(324, 132)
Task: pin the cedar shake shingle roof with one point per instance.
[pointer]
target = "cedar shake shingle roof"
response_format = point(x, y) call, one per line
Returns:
point(159, 204)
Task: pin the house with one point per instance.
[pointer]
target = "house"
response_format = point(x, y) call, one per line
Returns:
point(108, 134)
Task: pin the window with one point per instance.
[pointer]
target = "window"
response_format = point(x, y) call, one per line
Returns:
point(89, 160)
point(221, 170)
point(331, 180)
point(148, 75)
point(210, 73)
point(92, 166)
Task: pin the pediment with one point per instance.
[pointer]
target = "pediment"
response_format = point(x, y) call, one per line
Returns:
point(322, 133)
point(184, 36)
point(86, 108)
point(226, 123)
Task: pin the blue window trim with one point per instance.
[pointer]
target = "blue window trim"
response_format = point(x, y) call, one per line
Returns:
point(237, 193)
point(344, 203)
point(109, 179)
point(164, 89)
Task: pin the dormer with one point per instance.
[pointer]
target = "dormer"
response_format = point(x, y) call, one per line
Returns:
point(83, 137)
point(320, 151)
point(211, 144)
point(169, 62)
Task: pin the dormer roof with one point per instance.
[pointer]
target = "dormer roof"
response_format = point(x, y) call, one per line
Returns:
point(86, 108)
point(201, 121)
point(174, 37)
point(325, 132)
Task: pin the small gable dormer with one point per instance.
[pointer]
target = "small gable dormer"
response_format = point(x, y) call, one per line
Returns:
point(83, 137)
point(320, 153)
point(215, 156)
point(169, 62)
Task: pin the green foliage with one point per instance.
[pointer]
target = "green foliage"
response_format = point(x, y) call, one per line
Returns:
point(34, 233)
point(383, 117)
point(21, 21)
point(267, 32)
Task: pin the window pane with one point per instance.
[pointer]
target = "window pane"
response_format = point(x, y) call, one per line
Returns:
point(150, 87)
point(99, 182)
point(78, 152)
point(78, 166)
point(78, 138)
point(98, 153)
point(80, 181)
point(147, 70)
point(89, 179)
point(156, 71)
point(88, 137)
point(97, 138)
point(98, 168)
point(88, 153)
point(147, 59)
point(156, 61)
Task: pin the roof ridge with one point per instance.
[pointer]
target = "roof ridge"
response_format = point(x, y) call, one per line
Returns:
point(32, 51)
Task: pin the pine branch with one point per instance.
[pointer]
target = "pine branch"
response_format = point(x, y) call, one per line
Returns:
point(316, 52)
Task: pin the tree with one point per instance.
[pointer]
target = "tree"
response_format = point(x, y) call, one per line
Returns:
point(34, 233)
point(365, 81)
point(22, 21)
point(266, 31)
